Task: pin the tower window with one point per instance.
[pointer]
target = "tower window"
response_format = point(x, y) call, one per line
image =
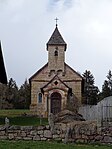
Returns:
point(40, 98)
point(56, 53)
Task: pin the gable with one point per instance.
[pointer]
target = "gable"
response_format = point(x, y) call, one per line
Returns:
point(41, 73)
point(55, 83)
point(71, 74)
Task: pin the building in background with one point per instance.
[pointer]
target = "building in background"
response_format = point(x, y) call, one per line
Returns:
point(3, 76)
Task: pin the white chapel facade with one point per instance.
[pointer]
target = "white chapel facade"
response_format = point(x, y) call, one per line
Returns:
point(52, 84)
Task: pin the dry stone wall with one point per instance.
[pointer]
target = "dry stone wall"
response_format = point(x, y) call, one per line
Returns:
point(85, 132)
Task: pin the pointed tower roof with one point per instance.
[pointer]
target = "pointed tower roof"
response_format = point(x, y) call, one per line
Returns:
point(56, 39)
point(3, 77)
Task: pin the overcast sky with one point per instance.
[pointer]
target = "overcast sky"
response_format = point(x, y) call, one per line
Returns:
point(86, 26)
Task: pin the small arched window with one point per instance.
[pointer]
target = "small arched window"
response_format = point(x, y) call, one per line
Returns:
point(40, 98)
point(56, 53)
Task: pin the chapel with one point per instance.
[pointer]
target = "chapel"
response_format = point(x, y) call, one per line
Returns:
point(55, 81)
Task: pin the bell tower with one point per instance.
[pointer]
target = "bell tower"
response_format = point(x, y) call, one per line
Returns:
point(56, 48)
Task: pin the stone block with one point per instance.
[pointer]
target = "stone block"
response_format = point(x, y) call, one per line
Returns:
point(11, 136)
point(91, 137)
point(107, 139)
point(71, 140)
point(23, 134)
point(26, 128)
point(98, 138)
point(14, 127)
point(18, 138)
point(10, 131)
point(55, 136)
point(41, 128)
point(3, 137)
point(57, 139)
point(58, 132)
point(36, 138)
point(33, 133)
point(47, 134)
point(41, 136)
point(43, 139)
point(47, 127)
point(2, 133)
point(80, 141)
point(15, 134)
point(63, 140)
point(78, 136)
point(57, 126)
point(27, 138)
point(2, 128)
point(40, 132)
point(49, 140)
point(84, 137)
point(62, 135)
point(63, 127)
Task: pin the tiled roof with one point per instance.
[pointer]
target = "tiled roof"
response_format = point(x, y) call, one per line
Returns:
point(56, 38)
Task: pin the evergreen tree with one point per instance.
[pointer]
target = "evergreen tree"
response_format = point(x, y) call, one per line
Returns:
point(90, 95)
point(8, 94)
point(109, 77)
point(107, 86)
point(106, 89)
point(89, 79)
point(24, 95)
point(12, 97)
point(12, 91)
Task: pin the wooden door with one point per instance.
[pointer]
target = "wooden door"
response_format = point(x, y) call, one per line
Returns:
point(55, 102)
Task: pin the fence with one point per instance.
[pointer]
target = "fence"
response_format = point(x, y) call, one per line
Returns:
point(106, 115)
point(101, 113)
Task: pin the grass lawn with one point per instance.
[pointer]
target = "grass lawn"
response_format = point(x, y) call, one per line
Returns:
point(16, 118)
point(13, 113)
point(47, 145)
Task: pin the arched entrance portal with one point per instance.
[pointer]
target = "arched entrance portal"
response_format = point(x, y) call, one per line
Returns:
point(55, 102)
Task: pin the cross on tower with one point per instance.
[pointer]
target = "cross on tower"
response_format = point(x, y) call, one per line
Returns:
point(56, 21)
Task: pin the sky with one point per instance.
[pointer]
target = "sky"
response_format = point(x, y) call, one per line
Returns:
point(86, 26)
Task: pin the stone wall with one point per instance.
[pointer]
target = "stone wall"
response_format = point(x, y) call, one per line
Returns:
point(85, 132)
